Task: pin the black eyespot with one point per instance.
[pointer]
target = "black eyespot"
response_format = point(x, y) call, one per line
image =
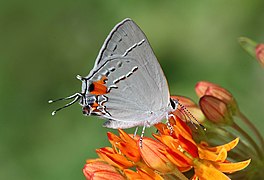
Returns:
point(173, 105)
point(91, 87)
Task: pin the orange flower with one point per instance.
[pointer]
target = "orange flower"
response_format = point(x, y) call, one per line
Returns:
point(205, 160)
point(97, 169)
point(172, 154)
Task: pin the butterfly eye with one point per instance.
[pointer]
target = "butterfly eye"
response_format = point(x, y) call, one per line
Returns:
point(173, 103)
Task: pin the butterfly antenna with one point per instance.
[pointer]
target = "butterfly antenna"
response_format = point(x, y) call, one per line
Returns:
point(76, 97)
point(191, 117)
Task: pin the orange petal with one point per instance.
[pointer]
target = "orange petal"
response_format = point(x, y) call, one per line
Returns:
point(113, 139)
point(129, 147)
point(205, 170)
point(207, 88)
point(149, 175)
point(110, 156)
point(162, 128)
point(132, 174)
point(178, 158)
point(213, 156)
point(231, 167)
point(188, 146)
point(153, 157)
point(168, 141)
point(98, 170)
point(173, 153)
point(126, 144)
point(182, 128)
point(227, 146)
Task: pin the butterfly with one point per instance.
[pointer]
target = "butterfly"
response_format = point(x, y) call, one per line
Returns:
point(126, 86)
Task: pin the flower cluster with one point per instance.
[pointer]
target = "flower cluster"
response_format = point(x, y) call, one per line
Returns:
point(183, 150)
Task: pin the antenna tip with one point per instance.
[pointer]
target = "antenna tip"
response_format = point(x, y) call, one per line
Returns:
point(203, 127)
point(50, 101)
point(79, 77)
point(53, 113)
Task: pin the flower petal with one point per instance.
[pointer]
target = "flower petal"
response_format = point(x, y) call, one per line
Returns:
point(129, 147)
point(213, 156)
point(110, 156)
point(188, 146)
point(205, 170)
point(98, 170)
point(151, 153)
point(231, 167)
point(132, 174)
point(179, 159)
point(227, 146)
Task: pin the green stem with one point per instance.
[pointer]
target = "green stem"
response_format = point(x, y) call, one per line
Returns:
point(253, 128)
point(250, 140)
point(179, 175)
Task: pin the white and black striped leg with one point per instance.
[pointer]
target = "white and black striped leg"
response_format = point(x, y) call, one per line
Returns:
point(135, 133)
point(141, 136)
point(168, 123)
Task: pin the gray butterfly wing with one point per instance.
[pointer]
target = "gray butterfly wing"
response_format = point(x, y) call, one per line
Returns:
point(139, 91)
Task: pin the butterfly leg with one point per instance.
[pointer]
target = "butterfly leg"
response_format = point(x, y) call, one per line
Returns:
point(141, 136)
point(168, 123)
point(135, 133)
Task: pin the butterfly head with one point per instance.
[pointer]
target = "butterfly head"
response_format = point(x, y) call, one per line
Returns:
point(86, 100)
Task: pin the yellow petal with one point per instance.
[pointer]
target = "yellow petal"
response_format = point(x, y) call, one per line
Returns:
point(206, 171)
point(227, 146)
point(213, 156)
point(231, 167)
point(222, 155)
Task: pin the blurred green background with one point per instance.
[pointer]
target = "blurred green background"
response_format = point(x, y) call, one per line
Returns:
point(45, 44)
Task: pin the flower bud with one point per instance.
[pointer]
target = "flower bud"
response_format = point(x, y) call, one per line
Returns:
point(215, 110)
point(152, 155)
point(96, 170)
point(206, 88)
point(260, 53)
point(248, 45)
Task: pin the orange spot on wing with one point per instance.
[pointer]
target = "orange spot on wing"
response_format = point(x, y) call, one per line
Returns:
point(94, 106)
point(99, 86)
